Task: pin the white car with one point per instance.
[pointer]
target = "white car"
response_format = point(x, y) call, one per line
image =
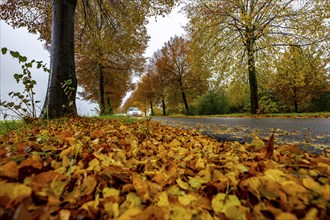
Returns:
point(133, 111)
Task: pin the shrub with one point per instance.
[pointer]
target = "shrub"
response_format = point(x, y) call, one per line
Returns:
point(268, 104)
point(212, 103)
point(25, 106)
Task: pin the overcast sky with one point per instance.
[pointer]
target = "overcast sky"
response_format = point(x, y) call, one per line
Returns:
point(28, 45)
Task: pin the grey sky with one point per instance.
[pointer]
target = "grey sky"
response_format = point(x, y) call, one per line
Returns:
point(29, 45)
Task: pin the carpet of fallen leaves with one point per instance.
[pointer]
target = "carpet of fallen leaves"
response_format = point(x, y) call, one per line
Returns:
point(106, 169)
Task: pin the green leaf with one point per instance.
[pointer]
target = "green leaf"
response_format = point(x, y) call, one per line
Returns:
point(10, 104)
point(22, 59)
point(14, 54)
point(4, 50)
point(17, 76)
point(28, 65)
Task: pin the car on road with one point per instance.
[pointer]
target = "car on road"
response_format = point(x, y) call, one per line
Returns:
point(133, 111)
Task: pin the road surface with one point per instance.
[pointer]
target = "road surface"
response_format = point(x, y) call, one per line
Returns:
point(311, 134)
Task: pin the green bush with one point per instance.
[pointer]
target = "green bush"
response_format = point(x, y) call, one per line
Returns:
point(212, 103)
point(268, 104)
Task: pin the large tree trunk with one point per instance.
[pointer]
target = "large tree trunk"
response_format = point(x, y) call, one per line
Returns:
point(252, 78)
point(62, 84)
point(101, 90)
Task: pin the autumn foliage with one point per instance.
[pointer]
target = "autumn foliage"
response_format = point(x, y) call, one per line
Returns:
point(103, 169)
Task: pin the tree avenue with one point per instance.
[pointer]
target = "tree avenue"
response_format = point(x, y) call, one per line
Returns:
point(174, 77)
point(35, 15)
point(110, 52)
point(236, 33)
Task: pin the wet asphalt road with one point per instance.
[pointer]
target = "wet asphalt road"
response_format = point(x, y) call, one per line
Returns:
point(311, 134)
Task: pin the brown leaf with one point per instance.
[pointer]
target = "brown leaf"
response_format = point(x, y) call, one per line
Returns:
point(9, 170)
point(269, 149)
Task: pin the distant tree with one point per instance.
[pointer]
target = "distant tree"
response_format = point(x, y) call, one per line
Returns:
point(233, 33)
point(116, 83)
point(301, 76)
point(161, 79)
point(183, 76)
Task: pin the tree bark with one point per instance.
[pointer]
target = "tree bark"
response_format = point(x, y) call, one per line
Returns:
point(163, 106)
point(151, 107)
point(62, 83)
point(101, 90)
point(295, 100)
point(184, 99)
point(109, 109)
point(252, 78)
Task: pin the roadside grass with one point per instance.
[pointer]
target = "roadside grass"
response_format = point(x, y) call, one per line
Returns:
point(125, 119)
point(7, 126)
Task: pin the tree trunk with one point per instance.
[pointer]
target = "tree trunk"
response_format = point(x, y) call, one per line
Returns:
point(62, 83)
point(252, 78)
point(163, 106)
point(295, 100)
point(109, 109)
point(184, 99)
point(101, 90)
point(151, 107)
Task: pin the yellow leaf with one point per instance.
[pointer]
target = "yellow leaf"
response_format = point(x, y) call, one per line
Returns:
point(88, 185)
point(182, 184)
point(107, 192)
point(286, 216)
point(105, 160)
point(175, 190)
point(64, 214)
point(229, 205)
point(57, 186)
point(309, 183)
point(255, 145)
point(130, 213)
point(205, 175)
point(65, 152)
point(195, 182)
point(253, 184)
point(15, 191)
point(179, 213)
point(175, 143)
point(200, 164)
point(186, 199)
point(112, 209)
point(132, 200)
point(276, 175)
point(94, 165)
point(311, 214)
point(323, 168)
point(163, 200)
